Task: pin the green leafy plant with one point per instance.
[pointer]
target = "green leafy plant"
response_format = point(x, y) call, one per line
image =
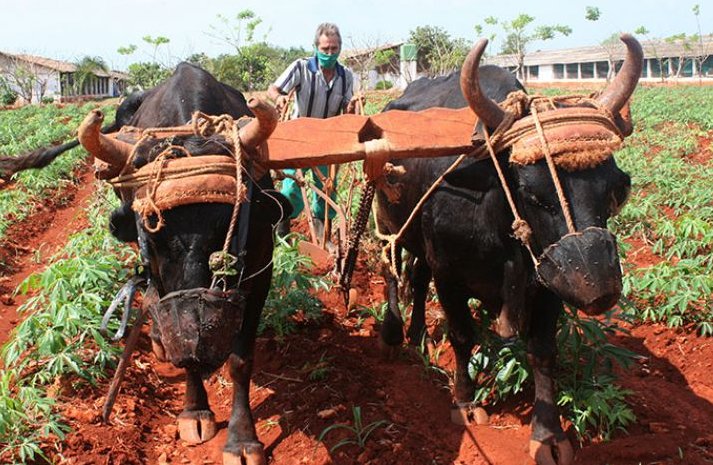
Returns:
point(358, 432)
point(58, 342)
point(290, 291)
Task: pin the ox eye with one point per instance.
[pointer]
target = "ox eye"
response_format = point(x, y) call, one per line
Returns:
point(532, 199)
point(617, 202)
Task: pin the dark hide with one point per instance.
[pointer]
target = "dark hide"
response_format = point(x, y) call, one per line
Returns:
point(178, 255)
point(463, 238)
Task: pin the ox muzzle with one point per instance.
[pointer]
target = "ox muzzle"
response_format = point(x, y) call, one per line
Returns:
point(583, 269)
point(198, 326)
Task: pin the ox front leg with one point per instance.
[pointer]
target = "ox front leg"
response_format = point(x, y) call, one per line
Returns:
point(243, 446)
point(548, 443)
point(196, 424)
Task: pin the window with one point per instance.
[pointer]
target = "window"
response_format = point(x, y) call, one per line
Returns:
point(655, 66)
point(558, 71)
point(602, 69)
point(572, 70)
point(587, 70)
point(707, 67)
point(533, 72)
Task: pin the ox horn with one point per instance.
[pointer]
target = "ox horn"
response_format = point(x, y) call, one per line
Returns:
point(617, 93)
point(259, 129)
point(107, 149)
point(484, 108)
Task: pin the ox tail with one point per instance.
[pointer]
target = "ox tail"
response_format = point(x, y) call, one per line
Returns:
point(41, 157)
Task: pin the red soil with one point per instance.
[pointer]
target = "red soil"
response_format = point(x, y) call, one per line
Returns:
point(30, 243)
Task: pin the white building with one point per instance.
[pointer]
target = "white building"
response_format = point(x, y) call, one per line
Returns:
point(678, 60)
point(392, 64)
point(54, 79)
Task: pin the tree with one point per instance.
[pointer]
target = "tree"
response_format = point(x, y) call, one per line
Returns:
point(249, 61)
point(592, 13)
point(86, 72)
point(517, 37)
point(438, 54)
point(369, 55)
point(653, 49)
point(146, 74)
point(702, 52)
point(27, 79)
point(7, 95)
point(682, 42)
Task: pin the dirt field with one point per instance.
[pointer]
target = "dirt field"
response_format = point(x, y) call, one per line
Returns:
point(672, 390)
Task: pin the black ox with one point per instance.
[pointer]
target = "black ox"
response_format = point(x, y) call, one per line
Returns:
point(463, 237)
point(195, 326)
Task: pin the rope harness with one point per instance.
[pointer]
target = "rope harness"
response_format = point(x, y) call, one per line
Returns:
point(177, 178)
point(570, 132)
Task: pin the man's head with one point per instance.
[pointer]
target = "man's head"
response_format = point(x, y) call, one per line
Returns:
point(327, 44)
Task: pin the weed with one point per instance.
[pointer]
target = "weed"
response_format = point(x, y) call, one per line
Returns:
point(359, 433)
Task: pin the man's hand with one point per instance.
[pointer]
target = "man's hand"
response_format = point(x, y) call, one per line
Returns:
point(356, 102)
point(281, 103)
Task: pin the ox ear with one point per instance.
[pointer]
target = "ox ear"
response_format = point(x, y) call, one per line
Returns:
point(122, 224)
point(477, 176)
point(271, 206)
point(623, 120)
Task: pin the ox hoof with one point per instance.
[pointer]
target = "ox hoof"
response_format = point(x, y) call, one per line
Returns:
point(158, 351)
point(196, 426)
point(467, 414)
point(542, 453)
point(248, 454)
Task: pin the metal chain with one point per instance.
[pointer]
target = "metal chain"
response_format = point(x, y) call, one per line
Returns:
point(358, 228)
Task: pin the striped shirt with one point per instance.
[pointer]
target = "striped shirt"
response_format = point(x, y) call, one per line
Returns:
point(315, 96)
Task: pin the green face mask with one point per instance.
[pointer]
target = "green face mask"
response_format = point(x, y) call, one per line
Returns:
point(326, 60)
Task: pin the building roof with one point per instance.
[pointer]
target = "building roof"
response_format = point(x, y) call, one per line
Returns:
point(356, 52)
point(61, 66)
point(652, 49)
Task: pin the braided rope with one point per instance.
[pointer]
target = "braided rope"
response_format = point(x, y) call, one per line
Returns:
point(553, 172)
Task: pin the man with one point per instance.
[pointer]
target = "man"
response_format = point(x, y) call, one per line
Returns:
point(323, 88)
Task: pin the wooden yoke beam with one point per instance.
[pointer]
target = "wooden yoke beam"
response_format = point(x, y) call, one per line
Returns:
point(309, 142)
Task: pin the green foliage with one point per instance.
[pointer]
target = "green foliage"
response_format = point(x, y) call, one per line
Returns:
point(669, 210)
point(7, 95)
point(594, 404)
point(592, 13)
point(59, 339)
point(29, 128)
point(384, 85)
point(86, 71)
point(358, 432)
point(145, 75)
point(516, 35)
point(438, 53)
point(290, 290)
point(586, 381)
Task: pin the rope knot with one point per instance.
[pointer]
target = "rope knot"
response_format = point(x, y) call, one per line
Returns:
point(206, 125)
point(522, 231)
